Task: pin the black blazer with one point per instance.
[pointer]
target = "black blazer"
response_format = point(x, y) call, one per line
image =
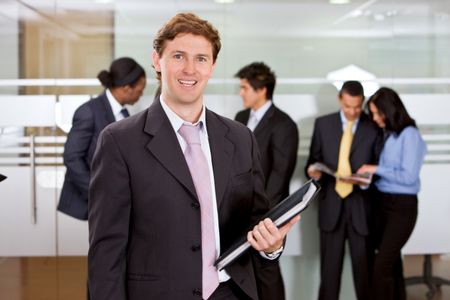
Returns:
point(144, 217)
point(89, 119)
point(325, 148)
point(277, 137)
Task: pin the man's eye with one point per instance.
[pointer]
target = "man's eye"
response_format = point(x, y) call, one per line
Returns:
point(202, 59)
point(178, 56)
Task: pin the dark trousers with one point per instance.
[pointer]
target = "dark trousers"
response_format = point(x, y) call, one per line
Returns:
point(395, 219)
point(332, 250)
point(228, 291)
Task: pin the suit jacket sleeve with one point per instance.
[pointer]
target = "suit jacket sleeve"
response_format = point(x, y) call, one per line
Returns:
point(261, 203)
point(284, 156)
point(109, 217)
point(76, 148)
point(315, 149)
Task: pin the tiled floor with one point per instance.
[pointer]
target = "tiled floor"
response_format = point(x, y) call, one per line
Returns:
point(64, 278)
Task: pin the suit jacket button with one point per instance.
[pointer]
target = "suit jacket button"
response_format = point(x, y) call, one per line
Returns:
point(195, 205)
point(195, 247)
point(197, 292)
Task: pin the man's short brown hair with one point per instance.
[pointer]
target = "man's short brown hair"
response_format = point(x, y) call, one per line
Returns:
point(186, 23)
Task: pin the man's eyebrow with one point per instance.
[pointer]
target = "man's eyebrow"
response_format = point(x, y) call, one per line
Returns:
point(178, 51)
point(203, 55)
point(197, 55)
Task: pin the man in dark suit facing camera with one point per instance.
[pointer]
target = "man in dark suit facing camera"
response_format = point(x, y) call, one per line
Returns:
point(175, 185)
point(343, 141)
point(277, 137)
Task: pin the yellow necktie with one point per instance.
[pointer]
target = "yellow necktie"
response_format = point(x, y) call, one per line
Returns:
point(344, 189)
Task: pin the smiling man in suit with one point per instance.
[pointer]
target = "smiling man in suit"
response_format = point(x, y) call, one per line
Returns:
point(124, 84)
point(175, 185)
point(277, 137)
point(344, 141)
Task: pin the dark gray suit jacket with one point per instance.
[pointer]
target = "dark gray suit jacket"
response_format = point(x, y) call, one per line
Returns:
point(89, 119)
point(325, 148)
point(277, 137)
point(144, 217)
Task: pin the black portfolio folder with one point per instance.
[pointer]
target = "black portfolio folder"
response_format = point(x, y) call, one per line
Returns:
point(280, 215)
point(2, 177)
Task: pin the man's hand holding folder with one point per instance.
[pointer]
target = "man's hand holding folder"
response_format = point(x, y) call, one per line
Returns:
point(268, 234)
point(267, 237)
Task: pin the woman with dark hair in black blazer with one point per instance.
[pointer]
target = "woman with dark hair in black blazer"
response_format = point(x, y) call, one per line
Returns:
point(396, 211)
point(124, 84)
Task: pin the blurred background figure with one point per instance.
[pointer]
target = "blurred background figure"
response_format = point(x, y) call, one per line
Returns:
point(277, 137)
point(124, 84)
point(344, 141)
point(398, 169)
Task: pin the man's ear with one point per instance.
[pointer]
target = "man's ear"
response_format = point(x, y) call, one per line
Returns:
point(155, 59)
point(127, 88)
point(262, 91)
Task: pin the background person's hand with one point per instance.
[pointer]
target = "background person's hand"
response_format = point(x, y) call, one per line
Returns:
point(367, 169)
point(314, 173)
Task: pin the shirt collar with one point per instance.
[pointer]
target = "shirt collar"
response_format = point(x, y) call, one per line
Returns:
point(259, 113)
point(176, 121)
point(344, 120)
point(115, 105)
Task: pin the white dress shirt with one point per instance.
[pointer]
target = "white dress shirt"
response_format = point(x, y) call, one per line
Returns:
point(257, 115)
point(115, 106)
point(344, 122)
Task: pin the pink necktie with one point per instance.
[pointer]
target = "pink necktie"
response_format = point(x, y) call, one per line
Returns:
point(198, 168)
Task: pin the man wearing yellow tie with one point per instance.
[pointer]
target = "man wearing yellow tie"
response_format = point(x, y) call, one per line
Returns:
point(343, 141)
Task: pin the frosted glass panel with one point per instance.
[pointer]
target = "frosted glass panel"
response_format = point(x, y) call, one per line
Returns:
point(428, 108)
point(431, 230)
point(65, 109)
point(19, 235)
point(27, 111)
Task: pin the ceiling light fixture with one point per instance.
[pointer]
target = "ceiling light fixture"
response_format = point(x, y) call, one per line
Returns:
point(339, 1)
point(104, 1)
point(356, 11)
point(224, 1)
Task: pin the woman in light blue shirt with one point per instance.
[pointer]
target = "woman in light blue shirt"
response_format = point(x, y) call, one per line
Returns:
point(396, 207)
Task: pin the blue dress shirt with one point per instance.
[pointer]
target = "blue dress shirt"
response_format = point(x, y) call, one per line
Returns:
point(400, 162)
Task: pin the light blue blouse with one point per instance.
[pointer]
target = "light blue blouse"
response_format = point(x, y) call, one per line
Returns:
point(400, 162)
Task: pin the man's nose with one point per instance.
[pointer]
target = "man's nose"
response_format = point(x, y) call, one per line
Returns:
point(189, 66)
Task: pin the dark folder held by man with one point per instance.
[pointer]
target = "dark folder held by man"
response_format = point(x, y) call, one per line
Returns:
point(280, 215)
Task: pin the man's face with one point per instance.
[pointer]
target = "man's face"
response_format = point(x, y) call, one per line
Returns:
point(252, 98)
point(351, 106)
point(186, 65)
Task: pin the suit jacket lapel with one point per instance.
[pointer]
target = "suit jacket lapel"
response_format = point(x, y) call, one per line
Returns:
point(109, 116)
point(359, 133)
point(335, 135)
point(265, 120)
point(165, 146)
point(222, 150)
point(243, 117)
